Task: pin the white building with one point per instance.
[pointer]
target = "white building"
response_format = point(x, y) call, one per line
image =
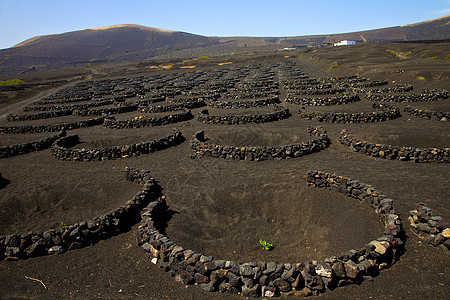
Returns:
point(345, 43)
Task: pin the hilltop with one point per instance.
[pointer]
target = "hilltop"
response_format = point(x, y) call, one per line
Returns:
point(128, 42)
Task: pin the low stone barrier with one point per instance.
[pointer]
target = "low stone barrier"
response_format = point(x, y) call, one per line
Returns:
point(269, 279)
point(14, 150)
point(50, 128)
point(317, 92)
point(144, 121)
point(426, 95)
point(323, 101)
point(244, 104)
point(68, 107)
point(418, 155)
point(250, 95)
point(316, 86)
point(105, 111)
point(38, 116)
point(171, 107)
point(202, 148)
point(431, 227)
point(427, 114)
point(86, 233)
point(387, 112)
point(61, 151)
point(399, 88)
point(363, 84)
point(280, 112)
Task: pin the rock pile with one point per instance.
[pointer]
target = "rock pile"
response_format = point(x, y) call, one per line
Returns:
point(203, 148)
point(61, 151)
point(418, 155)
point(431, 227)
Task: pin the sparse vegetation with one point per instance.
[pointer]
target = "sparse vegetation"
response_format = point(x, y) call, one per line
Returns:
point(11, 81)
point(333, 67)
point(433, 57)
point(203, 57)
point(412, 51)
point(316, 61)
point(392, 52)
point(420, 78)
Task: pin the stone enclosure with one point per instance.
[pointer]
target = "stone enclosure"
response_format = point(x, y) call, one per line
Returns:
point(164, 99)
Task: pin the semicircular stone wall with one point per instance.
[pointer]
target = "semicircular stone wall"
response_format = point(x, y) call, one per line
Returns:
point(86, 233)
point(385, 113)
point(268, 279)
point(202, 148)
point(280, 112)
point(61, 151)
point(418, 155)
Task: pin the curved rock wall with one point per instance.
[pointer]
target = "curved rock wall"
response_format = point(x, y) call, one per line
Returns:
point(38, 116)
point(61, 151)
point(280, 113)
point(50, 128)
point(427, 114)
point(86, 233)
point(386, 112)
point(426, 95)
point(171, 107)
point(148, 122)
point(244, 104)
point(268, 279)
point(203, 148)
point(431, 227)
point(418, 155)
point(323, 101)
point(14, 150)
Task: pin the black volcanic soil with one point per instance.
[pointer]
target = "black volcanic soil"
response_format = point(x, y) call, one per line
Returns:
point(223, 207)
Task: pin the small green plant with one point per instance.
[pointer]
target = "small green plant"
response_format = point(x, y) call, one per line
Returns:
point(433, 57)
point(203, 57)
point(316, 61)
point(265, 245)
point(420, 78)
point(333, 67)
point(412, 51)
point(62, 225)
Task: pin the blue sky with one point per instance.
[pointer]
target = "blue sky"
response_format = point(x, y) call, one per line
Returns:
point(23, 19)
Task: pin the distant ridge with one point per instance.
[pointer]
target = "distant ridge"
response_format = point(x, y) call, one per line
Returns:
point(128, 42)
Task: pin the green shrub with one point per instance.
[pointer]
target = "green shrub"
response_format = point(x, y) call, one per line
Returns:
point(412, 51)
point(333, 67)
point(11, 81)
point(420, 78)
point(392, 52)
point(433, 57)
point(203, 57)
